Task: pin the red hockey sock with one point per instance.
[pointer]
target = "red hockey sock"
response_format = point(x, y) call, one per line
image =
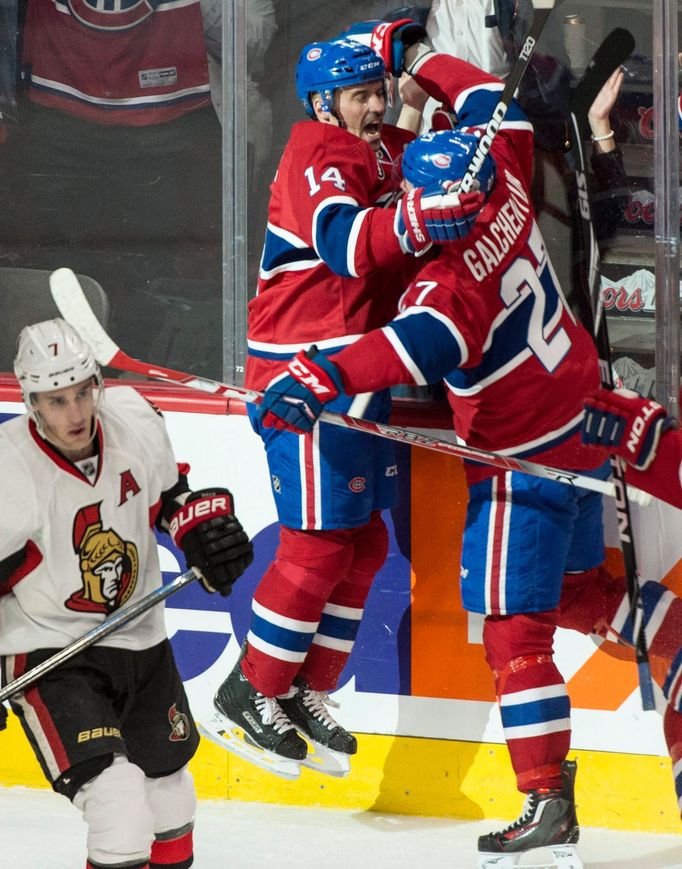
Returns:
point(341, 616)
point(173, 853)
point(289, 603)
point(534, 704)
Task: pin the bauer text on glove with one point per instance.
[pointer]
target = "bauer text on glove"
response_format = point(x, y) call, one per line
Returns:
point(212, 538)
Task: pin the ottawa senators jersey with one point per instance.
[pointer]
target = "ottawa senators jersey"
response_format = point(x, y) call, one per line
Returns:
point(74, 549)
point(125, 62)
point(332, 267)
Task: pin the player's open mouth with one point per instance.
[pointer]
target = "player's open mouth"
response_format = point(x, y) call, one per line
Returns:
point(372, 130)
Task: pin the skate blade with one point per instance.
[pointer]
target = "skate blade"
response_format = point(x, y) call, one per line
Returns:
point(563, 857)
point(324, 760)
point(225, 733)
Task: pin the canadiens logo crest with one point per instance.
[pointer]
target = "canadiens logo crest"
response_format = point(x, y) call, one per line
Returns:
point(179, 725)
point(108, 564)
point(110, 14)
point(442, 161)
point(357, 484)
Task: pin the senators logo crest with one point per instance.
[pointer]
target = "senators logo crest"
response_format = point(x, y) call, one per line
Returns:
point(108, 564)
point(179, 725)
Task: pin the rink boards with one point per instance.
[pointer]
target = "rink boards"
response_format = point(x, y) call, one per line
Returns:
point(417, 689)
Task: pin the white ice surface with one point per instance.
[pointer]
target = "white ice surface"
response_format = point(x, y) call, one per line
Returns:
point(41, 830)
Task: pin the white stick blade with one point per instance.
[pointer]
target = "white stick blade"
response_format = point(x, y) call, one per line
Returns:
point(75, 308)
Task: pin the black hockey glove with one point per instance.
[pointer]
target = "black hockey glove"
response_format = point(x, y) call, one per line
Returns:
point(212, 538)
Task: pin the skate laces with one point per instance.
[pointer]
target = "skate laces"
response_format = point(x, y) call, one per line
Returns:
point(530, 804)
point(316, 702)
point(272, 713)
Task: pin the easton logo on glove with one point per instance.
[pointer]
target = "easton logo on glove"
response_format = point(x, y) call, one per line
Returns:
point(640, 427)
point(192, 514)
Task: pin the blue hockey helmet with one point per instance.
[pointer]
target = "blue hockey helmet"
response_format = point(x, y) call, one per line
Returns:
point(325, 66)
point(436, 158)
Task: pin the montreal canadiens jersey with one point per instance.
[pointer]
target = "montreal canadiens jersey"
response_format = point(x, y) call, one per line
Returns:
point(487, 314)
point(73, 551)
point(331, 267)
point(114, 62)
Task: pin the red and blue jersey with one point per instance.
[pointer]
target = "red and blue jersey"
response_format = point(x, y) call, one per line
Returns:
point(487, 314)
point(332, 267)
point(133, 62)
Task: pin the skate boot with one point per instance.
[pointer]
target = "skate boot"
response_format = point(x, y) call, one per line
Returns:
point(331, 744)
point(254, 727)
point(548, 820)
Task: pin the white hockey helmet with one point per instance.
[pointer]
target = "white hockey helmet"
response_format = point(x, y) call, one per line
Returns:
point(52, 355)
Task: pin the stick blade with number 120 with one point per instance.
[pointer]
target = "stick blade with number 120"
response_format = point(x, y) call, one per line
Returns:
point(541, 11)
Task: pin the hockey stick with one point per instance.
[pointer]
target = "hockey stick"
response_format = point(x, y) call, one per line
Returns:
point(588, 285)
point(614, 50)
point(75, 308)
point(108, 626)
point(541, 11)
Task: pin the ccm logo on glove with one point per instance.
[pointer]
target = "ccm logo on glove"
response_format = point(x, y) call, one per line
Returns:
point(198, 511)
point(305, 376)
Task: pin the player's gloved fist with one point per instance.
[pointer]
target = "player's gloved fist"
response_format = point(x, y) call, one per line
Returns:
point(295, 399)
point(625, 423)
point(388, 39)
point(425, 215)
point(212, 538)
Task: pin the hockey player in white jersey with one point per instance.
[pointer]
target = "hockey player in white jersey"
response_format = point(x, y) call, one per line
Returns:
point(87, 473)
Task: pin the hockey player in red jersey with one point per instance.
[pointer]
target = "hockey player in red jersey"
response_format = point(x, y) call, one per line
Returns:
point(638, 430)
point(337, 248)
point(488, 316)
point(86, 474)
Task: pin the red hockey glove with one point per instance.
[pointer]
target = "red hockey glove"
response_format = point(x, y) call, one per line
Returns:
point(212, 539)
point(388, 39)
point(626, 424)
point(295, 399)
point(425, 215)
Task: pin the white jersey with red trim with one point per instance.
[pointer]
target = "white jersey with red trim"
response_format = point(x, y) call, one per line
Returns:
point(332, 267)
point(111, 62)
point(74, 549)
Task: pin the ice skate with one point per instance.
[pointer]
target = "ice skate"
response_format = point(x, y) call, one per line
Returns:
point(548, 821)
point(255, 727)
point(330, 744)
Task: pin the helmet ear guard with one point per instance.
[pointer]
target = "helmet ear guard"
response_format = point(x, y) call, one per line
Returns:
point(325, 66)
point(443, 157)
